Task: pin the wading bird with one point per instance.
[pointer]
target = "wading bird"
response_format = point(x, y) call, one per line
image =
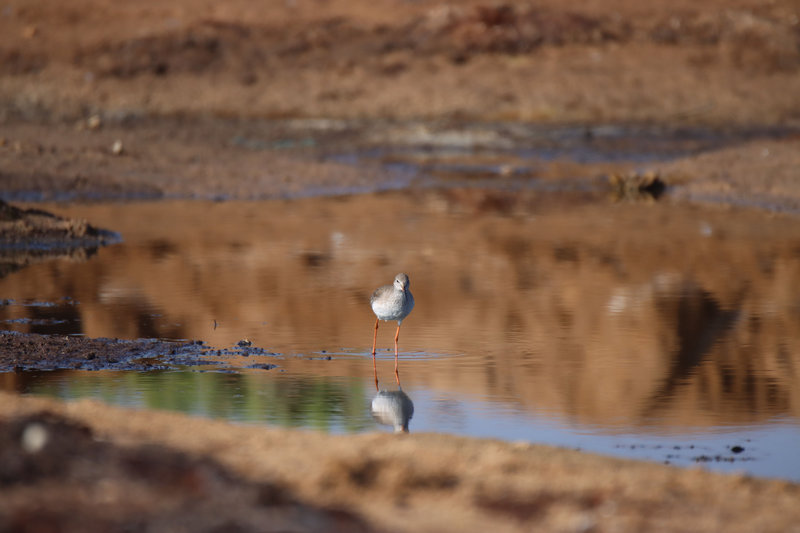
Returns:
point(392, 302)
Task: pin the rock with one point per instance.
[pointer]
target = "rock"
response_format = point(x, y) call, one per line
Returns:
point(263, 366)
point(94, 122)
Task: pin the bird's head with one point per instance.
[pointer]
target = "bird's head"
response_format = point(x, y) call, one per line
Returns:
point(401, 282)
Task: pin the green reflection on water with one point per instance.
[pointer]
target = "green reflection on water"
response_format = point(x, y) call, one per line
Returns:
point(327, 404)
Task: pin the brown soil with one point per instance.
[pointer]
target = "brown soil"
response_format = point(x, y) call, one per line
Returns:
point(34, 227)
point(722, 61)
point(28, 236)
point(147, 487)
point(102, 99)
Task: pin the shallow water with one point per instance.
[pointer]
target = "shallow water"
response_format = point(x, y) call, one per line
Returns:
point(662, 332)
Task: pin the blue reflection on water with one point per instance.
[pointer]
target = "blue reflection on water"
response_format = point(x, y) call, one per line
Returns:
point(341, 405)
point(768, 450)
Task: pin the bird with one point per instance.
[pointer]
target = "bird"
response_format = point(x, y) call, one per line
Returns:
point(392, 302)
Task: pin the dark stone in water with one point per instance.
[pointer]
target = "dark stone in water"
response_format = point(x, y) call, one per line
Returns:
point(263, 366)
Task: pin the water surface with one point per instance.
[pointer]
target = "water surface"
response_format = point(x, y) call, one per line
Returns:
point(661, 332)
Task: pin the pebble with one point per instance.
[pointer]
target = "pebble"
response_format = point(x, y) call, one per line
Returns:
point(116, 148)
point(263, 366)
point(34, 437)
point(94, 122)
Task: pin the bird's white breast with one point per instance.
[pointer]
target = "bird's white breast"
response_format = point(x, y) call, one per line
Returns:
point(395, 305)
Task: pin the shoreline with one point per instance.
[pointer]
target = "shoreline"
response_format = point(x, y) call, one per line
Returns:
point(457, 484)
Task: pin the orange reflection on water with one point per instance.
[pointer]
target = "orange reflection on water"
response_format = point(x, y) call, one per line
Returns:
point(614, 315)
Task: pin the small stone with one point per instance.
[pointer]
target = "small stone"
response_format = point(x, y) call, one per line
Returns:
point(505, 170)
point(116, 148)
point(94, 122)
point(737, 449)
point(34, 437)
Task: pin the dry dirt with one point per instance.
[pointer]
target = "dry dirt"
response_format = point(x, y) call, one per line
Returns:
point(423, 482)
point(722, 61)
point(109, 100)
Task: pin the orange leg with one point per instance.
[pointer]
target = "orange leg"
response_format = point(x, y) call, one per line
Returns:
point(396, 336)
point(374, 366)
point(375, 338)
point(375, 371)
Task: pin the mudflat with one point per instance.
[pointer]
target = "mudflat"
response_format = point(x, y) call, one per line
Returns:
point(195, 99)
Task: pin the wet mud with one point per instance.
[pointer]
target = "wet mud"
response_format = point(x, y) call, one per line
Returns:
point(215, 158)
point(22, 352)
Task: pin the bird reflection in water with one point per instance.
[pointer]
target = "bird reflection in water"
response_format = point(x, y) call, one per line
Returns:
point(392, 407)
